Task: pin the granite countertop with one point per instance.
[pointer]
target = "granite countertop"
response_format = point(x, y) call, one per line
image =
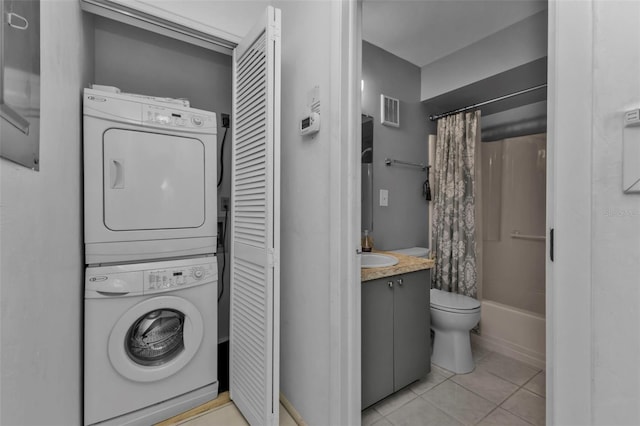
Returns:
point(406, 264)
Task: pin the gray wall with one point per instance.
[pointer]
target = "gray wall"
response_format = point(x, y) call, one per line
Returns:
point(510, 60)
point(516, 45)
point(404, 222)
point(41, 227)
point(143, 62)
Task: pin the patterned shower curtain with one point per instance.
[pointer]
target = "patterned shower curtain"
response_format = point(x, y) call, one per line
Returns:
point(454, 205)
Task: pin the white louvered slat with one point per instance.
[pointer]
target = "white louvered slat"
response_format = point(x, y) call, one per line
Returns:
point(255, 216)
point(251, 136)
point(252, 160)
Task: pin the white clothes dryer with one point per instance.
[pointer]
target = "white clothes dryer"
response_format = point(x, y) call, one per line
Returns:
point(149, 178)
point(150, 340)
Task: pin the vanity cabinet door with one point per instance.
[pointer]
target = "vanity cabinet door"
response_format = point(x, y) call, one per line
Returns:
point(377, 340)
point(411, 328)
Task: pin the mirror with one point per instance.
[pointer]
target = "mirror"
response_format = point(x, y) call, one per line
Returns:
point(367, 172)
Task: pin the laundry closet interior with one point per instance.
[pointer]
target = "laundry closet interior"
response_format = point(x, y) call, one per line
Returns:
point(140, 61)
point(157, 154)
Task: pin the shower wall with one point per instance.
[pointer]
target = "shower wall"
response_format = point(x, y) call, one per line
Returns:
point(514, 205)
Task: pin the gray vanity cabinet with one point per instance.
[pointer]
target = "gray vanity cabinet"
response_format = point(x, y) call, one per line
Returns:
point(395, 334)
point(377, 340)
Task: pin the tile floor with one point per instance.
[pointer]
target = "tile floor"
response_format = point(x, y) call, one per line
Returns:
point(500, 391)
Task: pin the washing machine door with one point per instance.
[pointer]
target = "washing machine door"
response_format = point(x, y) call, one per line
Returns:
point(155, 338)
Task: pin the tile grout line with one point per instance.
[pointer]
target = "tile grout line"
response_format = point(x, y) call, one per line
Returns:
point(449, 378)
point(427, 401)
point(400, 406)
point(480, 396)
point(522, 386)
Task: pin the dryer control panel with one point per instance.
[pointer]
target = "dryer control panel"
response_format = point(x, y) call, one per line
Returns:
point(155, 115)
point(147, 111)
point(173, 278)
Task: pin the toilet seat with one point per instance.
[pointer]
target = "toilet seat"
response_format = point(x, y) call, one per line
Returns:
point(456, 311)
point(453, 302)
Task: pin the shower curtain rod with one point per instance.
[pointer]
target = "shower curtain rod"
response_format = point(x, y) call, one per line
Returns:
point(490, 101)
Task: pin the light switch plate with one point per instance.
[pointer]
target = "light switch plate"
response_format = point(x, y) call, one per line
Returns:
point(384, 198)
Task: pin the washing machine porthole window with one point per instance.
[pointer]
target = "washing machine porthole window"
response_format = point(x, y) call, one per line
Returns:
point(156, 337)
point(184, 349)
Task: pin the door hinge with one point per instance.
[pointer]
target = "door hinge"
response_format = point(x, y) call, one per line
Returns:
point(275, 31)
point(551, 242)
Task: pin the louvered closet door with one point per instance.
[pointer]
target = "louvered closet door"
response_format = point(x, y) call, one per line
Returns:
point(255, 224)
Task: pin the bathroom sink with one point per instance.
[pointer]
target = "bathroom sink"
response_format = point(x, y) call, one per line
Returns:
point(377, 260)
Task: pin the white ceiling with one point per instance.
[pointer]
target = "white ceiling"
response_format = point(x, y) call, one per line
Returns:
point(423, 31)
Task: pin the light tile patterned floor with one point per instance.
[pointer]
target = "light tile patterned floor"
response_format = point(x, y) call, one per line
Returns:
point(501, 391)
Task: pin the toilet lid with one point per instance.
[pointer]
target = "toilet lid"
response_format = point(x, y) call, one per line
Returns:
point(413, 251)
point(452, 301)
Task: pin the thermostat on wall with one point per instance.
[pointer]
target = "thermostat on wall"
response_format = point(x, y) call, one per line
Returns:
point(310, 124)
point(632, 118)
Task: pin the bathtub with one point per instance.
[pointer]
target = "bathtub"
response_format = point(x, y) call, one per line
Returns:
point(513, 332)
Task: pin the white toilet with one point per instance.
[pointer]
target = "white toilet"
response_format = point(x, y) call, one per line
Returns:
point(452, 316)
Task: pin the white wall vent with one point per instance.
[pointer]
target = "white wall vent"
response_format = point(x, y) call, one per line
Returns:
point(389, 111)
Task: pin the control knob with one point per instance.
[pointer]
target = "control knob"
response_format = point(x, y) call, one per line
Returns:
point(198, 273)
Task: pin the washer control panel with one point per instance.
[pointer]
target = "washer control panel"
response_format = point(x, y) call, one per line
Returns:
point(177, 277)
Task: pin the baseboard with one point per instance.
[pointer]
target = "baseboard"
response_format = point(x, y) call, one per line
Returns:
point(292, 411)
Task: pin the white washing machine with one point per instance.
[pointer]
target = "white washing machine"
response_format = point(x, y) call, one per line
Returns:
point(150, 340)
point(149, 178)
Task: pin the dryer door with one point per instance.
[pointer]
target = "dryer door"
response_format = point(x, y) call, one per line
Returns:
point(152, 181)
point(155, 338)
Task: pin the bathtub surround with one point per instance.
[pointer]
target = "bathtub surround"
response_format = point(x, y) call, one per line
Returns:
point(513, 332)
point(455, 195)
point(513, 202)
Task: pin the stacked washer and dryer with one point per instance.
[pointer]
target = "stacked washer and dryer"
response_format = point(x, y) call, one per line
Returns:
point(150, 322)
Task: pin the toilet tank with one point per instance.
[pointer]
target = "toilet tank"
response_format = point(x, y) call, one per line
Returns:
point(413, 251)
